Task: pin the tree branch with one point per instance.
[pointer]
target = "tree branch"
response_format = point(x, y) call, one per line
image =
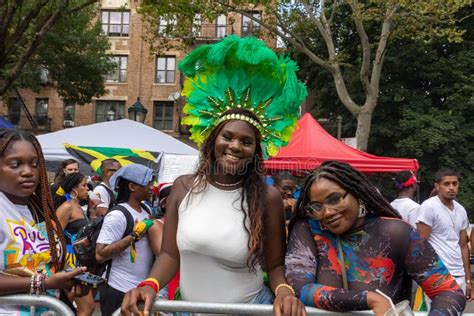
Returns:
point(297, 42)
point(30, 49)
point(84, 5)
point(25, 23)
point(381, 49)
point(364, 40)
point(334, 6)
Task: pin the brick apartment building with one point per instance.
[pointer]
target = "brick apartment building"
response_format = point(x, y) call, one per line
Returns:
point(155, 80)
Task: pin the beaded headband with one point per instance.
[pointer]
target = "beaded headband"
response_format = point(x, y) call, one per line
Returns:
point(242, 73)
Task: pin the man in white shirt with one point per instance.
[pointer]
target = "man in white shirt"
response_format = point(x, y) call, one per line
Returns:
point(406, 184)
point(103, 191)
point(443, 221)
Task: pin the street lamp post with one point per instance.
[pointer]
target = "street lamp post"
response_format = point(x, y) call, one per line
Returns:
point(137, 112)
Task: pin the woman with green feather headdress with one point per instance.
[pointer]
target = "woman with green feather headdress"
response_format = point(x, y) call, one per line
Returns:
point(224, 226)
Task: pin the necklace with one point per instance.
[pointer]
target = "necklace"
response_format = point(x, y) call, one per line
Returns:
point(228, 184)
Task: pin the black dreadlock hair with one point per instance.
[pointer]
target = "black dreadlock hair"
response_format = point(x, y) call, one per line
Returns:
point(40, 202)
point(351, 180)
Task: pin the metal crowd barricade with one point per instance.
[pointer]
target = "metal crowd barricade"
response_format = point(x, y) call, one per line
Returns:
point(254, 309)
point(37, 300)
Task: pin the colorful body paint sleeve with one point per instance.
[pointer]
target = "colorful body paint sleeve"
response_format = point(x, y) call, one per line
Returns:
point(302, 267)
point(426, 268)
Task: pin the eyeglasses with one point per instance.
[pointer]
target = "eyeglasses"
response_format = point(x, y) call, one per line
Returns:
point(316, 209)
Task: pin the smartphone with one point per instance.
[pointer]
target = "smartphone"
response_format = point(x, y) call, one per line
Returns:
point(90, 279)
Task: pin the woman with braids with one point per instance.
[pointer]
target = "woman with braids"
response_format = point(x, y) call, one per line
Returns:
point(70, 193)
point(346, 242)
point(31, 239)
point(224, 226)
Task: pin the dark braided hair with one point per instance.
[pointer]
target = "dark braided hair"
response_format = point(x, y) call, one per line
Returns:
point(69, 182)
point(351, 180)
point(253, 188)
point(40, 201)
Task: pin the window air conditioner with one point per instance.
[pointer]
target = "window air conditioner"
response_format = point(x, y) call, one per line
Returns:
point(68, 123)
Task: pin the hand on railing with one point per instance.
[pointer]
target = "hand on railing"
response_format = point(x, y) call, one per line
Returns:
point(144, 294)
point(286, 303)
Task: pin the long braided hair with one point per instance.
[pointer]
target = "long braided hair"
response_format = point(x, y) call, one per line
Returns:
point(351, 180)
point(253, 188)
point(40, 201)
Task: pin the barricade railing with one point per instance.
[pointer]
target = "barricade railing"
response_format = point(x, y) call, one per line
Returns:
point(254, 309)
point(37, 300)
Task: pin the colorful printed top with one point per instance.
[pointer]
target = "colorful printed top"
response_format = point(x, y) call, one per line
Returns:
point(24, 248)
point(383, 253)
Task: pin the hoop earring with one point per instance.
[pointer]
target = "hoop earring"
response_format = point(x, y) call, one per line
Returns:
point(362, 209)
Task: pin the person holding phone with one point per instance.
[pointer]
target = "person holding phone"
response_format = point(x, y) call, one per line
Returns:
point(32, 247)
point(72, 191)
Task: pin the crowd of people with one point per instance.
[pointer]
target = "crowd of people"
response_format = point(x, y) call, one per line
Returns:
point(226, 235)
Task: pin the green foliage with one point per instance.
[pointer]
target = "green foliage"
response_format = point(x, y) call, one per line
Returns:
point(425, 106)
point(55, 38)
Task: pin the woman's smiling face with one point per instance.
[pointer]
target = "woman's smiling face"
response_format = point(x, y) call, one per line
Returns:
point(338, 209)
point(235, 147)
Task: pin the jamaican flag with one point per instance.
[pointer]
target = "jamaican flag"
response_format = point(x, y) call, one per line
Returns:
point(95, 155)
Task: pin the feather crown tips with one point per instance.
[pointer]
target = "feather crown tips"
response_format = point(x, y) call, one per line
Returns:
point(242, 73)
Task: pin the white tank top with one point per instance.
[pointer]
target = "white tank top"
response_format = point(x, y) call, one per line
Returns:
point(213, 246)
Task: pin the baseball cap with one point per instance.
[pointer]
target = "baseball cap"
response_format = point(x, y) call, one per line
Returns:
point(135, 173)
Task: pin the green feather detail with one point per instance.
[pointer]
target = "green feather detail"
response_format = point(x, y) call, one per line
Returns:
point(245, 73)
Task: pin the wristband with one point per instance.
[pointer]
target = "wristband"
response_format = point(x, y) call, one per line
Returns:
point(151, 282)
point(154, 281)
point(284, 285)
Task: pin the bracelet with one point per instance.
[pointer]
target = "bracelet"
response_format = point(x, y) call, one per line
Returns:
point(154, 281)
point(32, 284)
point(151, 282)
point(468, 281)
point(38, 281)
point(284, 285)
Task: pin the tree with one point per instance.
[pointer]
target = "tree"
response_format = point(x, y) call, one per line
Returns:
point(53, 40)
point(302, 23)
point(425, 106)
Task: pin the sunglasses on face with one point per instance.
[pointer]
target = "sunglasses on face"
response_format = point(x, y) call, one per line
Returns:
point(316, 209)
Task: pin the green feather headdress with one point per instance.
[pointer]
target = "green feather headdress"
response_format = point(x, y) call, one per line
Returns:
point(242, 73)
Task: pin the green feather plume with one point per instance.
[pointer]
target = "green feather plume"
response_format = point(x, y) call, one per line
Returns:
point(237, 66)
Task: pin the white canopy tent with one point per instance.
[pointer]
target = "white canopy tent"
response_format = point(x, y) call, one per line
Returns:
point(119, 134)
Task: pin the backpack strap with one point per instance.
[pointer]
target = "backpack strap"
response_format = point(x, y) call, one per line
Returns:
point(112, 199)
point(128, 229)
point(146, 207)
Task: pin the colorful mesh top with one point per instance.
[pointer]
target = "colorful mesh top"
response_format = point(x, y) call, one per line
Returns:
point(383, 253)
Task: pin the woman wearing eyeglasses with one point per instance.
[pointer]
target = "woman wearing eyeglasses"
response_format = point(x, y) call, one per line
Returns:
point(346, 242)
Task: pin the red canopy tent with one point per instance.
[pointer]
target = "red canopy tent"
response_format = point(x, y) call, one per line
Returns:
point(311, 145)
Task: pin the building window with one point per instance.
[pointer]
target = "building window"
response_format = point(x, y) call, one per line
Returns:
point(221, 26)
point(165, 69)
point(115, 23)
point(109, 111)
point(167, 26)
point(249, 26)
point(69, 115)
point(119, 74)
point(163, 118)
point(14, 111)
point(41, 111)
